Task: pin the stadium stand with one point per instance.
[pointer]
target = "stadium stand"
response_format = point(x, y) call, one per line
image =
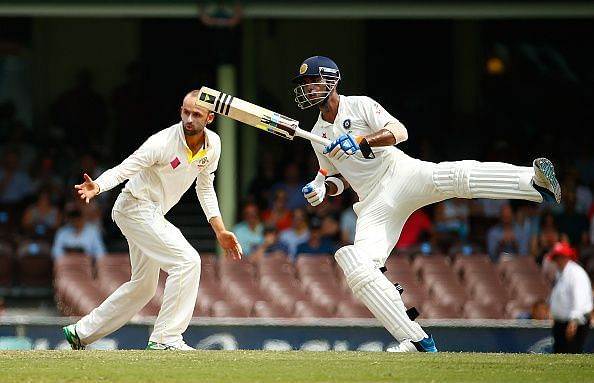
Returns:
point(352, 309)
point(440, 286)
point(34, 264)
point(265, 309)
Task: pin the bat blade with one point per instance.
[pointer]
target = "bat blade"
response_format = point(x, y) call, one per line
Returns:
point(247, 113)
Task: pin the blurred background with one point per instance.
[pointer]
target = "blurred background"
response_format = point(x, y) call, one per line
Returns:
point(84, 83)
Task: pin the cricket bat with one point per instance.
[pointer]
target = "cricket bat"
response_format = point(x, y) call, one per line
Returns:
point(254, 115)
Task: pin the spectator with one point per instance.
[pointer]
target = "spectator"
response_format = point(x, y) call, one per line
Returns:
point(78, 236)
point(417, 229)
point(348, 223)
point(297, 234)
point(270, 246)
point(451, 221)
point(330, 227)
point(571, 222)
point(317, 243)
point(292, 184)
point(15, 184)
point(249, 231)
point(571, 301)
point(279, 214)
point(45, 176)
point(543, 241)
point(348, 218)
point(91, 211)
point(507, 236)
point(539, 311)
point(42, 218)
point(19, 141)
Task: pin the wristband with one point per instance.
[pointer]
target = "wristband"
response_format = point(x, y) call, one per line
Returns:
point(338, 183)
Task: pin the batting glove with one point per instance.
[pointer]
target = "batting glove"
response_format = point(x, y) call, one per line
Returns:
point(315, 191)
point(342, 147)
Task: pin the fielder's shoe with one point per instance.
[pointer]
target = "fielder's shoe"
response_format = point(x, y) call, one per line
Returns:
point(72, 337)
point(544, 180)
point(179, 346)
point(424, 345)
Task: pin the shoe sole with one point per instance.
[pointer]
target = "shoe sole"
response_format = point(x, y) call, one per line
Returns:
point(548, 171)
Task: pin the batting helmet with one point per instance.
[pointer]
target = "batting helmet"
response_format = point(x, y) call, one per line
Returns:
point(315, 67)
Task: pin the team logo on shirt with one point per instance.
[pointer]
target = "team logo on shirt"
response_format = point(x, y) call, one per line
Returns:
point(202, 162)
point(175, 162)
point(346, 123)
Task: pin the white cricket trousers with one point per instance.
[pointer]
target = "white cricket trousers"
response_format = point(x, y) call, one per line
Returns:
point(411, 184)
point(154, 244)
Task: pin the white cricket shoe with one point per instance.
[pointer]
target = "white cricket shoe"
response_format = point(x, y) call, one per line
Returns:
point(544, 178)
point(404, 346)
point(179, 346)
point(424, 345)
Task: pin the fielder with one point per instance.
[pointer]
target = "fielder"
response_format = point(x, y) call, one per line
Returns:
point(159, 173)
point(391, 185)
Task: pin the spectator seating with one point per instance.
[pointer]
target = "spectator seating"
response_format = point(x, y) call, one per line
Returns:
point(313, 286)
point(479, 310)
point(266, 309)
point(35, 264)
point(351, 308)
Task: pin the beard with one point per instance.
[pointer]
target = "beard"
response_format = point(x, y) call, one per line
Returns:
point(191, 130)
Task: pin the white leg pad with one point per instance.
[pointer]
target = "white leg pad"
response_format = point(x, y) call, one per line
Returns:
point(494, 180)
point(380, 296)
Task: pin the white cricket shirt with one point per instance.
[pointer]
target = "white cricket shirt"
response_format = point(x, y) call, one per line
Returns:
point(571, 297)
point(358, 116)
point(162, 169)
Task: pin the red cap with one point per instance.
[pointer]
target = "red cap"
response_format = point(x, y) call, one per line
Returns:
point(562, 249)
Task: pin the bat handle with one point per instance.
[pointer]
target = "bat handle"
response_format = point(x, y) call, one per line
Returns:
point(312, 137)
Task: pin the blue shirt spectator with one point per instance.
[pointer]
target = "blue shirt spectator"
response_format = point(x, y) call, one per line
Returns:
point(507, 236)
point(317, 243)
point(249, 231)
point(78, 235)
point(297, 234)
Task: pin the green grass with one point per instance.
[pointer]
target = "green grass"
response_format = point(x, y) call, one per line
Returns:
point(290, 367)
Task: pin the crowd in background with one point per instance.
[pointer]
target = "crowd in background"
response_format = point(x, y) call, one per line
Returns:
point(38, 203)
point(38, 199)
point(276, 217)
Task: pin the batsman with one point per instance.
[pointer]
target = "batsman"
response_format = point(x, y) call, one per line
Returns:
point(391, 185)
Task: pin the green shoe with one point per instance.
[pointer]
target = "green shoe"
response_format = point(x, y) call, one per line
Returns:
point(180, 346)
point(72, 337)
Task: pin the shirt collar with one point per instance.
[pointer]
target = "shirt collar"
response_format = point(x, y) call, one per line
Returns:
point(202, 152)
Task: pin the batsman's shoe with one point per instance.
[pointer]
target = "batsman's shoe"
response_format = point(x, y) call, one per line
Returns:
point(545, 181)
point(180, 346)
point(424, 345)
point(72, 337)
